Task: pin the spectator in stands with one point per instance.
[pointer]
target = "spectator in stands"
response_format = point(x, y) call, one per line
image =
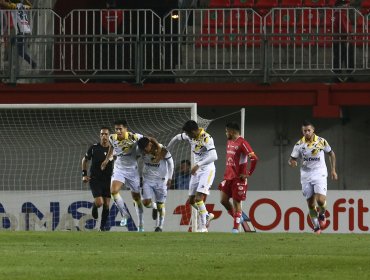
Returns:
point(10, 5)
point(182, 177)
point(21, 24)
point(343, 49)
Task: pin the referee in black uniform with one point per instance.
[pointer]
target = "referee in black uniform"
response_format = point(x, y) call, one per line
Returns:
point(99, 180)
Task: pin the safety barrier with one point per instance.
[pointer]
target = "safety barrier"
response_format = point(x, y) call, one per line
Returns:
point(135, 45)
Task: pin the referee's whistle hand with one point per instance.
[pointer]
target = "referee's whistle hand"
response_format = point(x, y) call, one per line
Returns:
point(85, 179)
point(103, 165)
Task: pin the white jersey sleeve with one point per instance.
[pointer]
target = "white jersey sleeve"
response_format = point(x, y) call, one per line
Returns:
point(178, 137)
point(295, 153)
point(170, 165)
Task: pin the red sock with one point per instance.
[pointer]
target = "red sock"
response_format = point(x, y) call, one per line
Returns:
point(237, 216)
point(231, 212)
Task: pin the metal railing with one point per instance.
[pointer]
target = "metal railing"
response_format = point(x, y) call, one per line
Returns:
point(135, 45)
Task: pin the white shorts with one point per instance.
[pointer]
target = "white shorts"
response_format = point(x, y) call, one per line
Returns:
point(315, 183)
point(130, 179)
point(202, 181)
point(156, 190)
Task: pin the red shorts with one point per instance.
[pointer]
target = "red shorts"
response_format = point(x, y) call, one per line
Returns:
point(235, 188)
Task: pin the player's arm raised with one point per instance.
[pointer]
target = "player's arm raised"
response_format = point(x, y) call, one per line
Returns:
point(178, 137)
point(160, 151)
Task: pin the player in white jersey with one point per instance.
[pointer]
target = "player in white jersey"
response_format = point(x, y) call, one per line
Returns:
point(157, 176)
point(311, 150)
point(203, 171)
point(125, 171)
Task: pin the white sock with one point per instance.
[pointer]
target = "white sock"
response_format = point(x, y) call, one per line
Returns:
point(140, 212)
point(162, 214)
point(314, 219)
point(120, 204)
point(202, 210)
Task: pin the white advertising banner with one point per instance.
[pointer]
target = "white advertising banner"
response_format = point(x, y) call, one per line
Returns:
point(269, 211)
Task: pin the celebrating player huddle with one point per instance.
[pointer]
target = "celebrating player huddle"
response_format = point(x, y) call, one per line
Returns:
point(125, 148)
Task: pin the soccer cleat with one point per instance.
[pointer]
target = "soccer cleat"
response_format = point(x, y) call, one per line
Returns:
point(140, 229)
point(317, 230)
point(158, 229)
point(154, 214)
point(234, 230)
point(203, 229)
point(209, 218)
point(94, 212)
point(241, 220)
point(123, 222)
point(322, 221)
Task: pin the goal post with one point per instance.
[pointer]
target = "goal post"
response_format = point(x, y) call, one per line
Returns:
point(42, 149)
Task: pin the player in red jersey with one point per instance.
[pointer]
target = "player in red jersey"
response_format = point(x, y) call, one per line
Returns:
point(235, 184)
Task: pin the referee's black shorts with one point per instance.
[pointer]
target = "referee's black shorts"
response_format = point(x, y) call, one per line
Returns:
point(100, 188)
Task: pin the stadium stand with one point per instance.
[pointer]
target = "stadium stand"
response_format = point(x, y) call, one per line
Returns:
point(219, 4)
point(314, 3)
point(290, 3)
point(243, 3)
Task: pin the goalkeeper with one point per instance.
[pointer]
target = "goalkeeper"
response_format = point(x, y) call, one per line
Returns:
point(99, 180)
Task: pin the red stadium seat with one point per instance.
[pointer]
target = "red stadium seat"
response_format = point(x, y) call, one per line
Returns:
point(309, 17)
point(243, 3)
point(360, 27)
point(219, 4)
point(243, 18)
point(327, 19)
point(266, 4)
point(285, 17)
point(112, 21)
point(365, 7)
point(282, 39)
point(291, 3)
point(330, 3)
point(326, 39)
point(303, 37)
point(230, 39)
point(214, 18)
point(314, 3)
point(253, 37)
point(208, 38)
point(365, 4)
point(237, 18)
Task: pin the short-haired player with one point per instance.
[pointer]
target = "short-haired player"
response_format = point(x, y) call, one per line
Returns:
point(203, 171)
point(311, 149)
point(157, 176)
point(125, 171)
point(235, 183)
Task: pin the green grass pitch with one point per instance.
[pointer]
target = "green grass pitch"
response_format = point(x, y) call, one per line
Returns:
point(123, 255)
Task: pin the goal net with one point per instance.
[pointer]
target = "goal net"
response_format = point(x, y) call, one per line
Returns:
point(42, 148)
point(40, 171)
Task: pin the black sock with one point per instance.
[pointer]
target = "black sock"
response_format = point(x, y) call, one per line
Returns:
point(104, 217)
